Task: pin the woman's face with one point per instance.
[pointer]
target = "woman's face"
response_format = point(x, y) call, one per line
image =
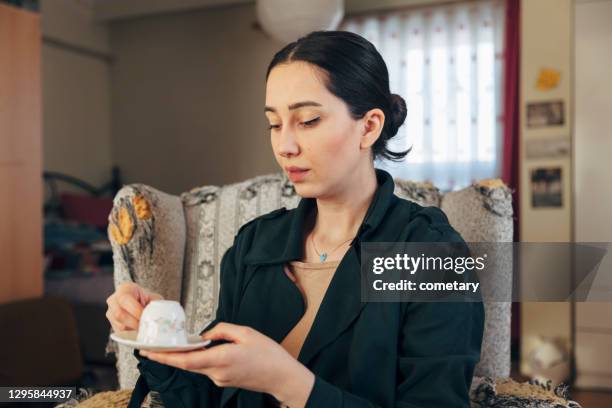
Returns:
point(311, 128)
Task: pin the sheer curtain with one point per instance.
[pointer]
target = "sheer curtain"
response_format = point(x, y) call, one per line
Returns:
point(446, 61)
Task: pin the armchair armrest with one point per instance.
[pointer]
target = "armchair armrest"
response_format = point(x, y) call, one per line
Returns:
point(147, 234)
point(505, 392)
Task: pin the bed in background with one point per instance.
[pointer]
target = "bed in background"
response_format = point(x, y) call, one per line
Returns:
point(78, 257)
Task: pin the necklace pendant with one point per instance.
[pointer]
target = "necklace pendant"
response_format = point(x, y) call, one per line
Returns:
point(323, 257)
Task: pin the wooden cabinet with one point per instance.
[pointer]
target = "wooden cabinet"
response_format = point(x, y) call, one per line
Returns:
point(21, 249)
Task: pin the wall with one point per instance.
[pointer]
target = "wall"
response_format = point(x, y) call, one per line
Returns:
point(76, 91)
point(546, 37)
point(107, 10)
point(188, 92)
point(593, 131)
point(593, 220)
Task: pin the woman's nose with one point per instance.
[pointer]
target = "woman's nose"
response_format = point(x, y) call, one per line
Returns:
point(287, 143)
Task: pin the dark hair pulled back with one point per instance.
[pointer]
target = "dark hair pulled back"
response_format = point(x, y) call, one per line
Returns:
point(357, 74)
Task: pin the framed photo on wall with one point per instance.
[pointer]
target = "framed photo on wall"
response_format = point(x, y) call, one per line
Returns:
point(546, 187)
point(545, 114)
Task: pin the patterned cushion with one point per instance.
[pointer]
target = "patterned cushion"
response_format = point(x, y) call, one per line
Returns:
point(213, 215)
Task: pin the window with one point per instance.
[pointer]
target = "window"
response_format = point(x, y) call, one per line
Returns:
point(446, 62)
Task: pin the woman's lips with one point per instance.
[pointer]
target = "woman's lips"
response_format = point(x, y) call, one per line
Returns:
point(297, 175)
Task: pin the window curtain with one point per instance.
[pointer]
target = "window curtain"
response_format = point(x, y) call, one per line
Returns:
point(446, 61)
point(511, 135)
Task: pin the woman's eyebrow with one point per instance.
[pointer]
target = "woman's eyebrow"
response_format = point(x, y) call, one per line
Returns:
point(293, 106)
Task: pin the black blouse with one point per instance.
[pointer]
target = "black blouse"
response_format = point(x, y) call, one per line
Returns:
point(402, 354)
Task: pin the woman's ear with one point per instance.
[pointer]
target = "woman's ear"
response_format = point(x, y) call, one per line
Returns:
point(372, 125)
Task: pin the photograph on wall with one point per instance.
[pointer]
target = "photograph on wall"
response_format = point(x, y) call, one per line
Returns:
point(543, 114)
point(546, 187)
point(548, 148)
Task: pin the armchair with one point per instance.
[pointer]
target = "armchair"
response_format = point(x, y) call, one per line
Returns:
point(173, 245)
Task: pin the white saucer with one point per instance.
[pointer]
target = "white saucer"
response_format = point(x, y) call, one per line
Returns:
point(128, 338)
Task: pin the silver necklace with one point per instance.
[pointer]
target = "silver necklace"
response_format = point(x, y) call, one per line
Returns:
point(324, 255)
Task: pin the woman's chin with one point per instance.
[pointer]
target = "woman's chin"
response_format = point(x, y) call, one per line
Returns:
point(304, 190)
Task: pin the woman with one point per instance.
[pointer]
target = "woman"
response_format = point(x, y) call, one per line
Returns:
point(294, 329)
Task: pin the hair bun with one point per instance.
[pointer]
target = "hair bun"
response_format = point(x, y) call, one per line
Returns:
point(398, 108)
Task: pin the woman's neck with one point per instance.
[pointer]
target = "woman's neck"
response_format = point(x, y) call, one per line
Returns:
point(338, 218)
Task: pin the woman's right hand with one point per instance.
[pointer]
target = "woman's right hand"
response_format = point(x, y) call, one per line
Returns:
point(126, 304)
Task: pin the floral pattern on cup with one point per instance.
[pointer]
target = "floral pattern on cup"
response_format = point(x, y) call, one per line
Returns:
point(162, 323)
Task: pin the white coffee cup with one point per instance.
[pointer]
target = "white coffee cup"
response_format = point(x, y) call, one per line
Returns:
point(162, 323)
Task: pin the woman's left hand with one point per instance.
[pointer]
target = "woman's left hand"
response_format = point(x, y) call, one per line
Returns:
point(251, 361)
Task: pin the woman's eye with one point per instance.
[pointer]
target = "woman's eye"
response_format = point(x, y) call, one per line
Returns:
point(311, 122)
point(308, 123)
